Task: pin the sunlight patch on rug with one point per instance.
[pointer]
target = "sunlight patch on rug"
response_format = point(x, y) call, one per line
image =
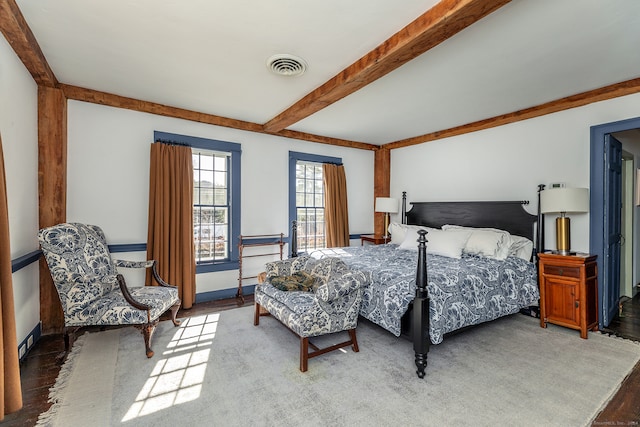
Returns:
point(178, 376)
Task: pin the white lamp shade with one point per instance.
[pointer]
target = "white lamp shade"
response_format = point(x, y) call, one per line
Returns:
point(386, 204)
point(564, 200)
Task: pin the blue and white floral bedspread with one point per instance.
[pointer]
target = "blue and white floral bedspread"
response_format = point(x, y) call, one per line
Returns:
point(462, 292)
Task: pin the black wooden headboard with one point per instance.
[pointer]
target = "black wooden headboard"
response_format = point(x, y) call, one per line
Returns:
point(508, 216)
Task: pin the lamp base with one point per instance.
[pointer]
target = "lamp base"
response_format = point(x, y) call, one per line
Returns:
point(563, 235)
point(386, 234)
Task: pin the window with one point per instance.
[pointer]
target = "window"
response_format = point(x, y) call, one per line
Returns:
point(309, 206)
point(306, 198)
point(216, 200)
point(211, 205)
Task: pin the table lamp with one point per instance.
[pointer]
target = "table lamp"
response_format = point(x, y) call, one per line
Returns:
point(387, 205)
point(564, 200)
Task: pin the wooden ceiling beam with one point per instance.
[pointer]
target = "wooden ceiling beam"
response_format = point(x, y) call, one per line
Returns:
point(627, 87)
point(24, 43)
point(438, 24)
point(111, 100)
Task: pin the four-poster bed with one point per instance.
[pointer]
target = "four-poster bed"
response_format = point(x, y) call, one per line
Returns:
point(424, 294)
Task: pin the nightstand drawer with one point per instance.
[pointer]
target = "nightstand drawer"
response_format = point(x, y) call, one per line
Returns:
point(557, 270)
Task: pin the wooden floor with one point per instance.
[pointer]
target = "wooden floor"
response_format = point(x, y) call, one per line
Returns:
point(624, 408)
point(40, 369)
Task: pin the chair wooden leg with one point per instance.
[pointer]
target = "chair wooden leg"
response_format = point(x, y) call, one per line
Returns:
point(304, 353)
point(147, 332)
point(174, 313)
point(354, 341)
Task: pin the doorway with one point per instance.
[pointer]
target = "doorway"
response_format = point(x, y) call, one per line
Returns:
point(602, 212)
point(626, 240)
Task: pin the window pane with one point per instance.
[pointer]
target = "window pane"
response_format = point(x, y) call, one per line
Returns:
point(309, 172)
point(206, 178)
point(206, 162)
point(220, 179)
point(220, 163)
point(220, 196)
point(206, 196)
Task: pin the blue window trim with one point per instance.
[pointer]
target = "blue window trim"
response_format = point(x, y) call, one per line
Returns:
point(236, 152)
point(294, 156)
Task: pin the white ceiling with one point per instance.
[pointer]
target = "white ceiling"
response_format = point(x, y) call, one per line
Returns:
point(209, 56)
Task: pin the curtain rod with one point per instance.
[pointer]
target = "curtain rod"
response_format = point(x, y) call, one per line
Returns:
point(169, 142)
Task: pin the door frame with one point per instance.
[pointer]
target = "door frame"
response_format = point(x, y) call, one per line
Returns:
point(596, 204)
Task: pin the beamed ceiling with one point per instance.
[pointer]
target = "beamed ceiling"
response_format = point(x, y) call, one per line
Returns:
point(382, 73)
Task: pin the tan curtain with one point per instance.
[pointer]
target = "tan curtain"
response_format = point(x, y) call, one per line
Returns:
point(336, 213)
point(11, 392)
point(170, 236)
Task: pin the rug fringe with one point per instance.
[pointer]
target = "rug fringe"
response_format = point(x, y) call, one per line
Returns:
point(56, 394)
point(613, 335)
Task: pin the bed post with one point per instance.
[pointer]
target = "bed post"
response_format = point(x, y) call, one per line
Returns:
point(540, 226)
point(293, 241)
point(403, 220)
point(421, 340)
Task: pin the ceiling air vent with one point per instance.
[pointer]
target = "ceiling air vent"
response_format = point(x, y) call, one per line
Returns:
point(286, 65)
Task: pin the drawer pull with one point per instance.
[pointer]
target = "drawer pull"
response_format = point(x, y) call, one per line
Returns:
point(560, 271)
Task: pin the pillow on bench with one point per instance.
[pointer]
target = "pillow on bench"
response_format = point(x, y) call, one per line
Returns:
point(299, 281)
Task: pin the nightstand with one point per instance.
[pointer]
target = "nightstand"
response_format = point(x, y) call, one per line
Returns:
point(374, 239)
point(569, 291)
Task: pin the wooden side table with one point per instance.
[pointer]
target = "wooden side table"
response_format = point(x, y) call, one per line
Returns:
point(569, 291)
point(374, 239)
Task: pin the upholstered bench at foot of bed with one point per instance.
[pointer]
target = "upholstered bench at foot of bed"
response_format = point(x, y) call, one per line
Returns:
point(332, 308)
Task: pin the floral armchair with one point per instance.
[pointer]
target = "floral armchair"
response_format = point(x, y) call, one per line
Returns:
point(329, 303)
point(91, 291)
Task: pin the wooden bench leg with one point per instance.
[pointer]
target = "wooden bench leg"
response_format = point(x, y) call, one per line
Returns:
point(256, 314)
point(304, 353)
point(354, 341)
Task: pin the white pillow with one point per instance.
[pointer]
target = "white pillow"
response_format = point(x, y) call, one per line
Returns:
point(444, 243)
point(521, 247)
point(398, 232)
point(487, 242)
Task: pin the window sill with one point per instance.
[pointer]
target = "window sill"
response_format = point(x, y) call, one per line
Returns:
point(210, 267)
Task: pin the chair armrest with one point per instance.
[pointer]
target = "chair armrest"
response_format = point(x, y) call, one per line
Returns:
point(342, 284)
point(133, 264)
point(143, 264)
point(128, 297)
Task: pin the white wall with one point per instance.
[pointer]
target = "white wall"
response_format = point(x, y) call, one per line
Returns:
point(108, 177)
point(18, 127)
point(508, 162)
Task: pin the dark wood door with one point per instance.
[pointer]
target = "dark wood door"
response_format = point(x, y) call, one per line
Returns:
point(612, 227)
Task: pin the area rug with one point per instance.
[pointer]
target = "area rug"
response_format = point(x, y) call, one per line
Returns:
point(220, 370)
